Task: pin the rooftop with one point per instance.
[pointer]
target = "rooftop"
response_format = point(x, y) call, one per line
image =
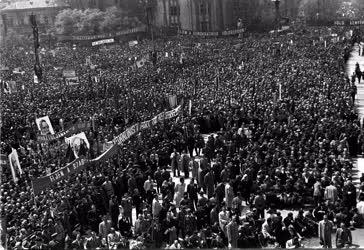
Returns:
point(34, 4)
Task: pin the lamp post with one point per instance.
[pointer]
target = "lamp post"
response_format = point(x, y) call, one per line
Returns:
point(37, 67)
point(276, 4)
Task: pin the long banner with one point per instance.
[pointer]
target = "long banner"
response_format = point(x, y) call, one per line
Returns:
point(348, 22)
point(211, 34)
point(78, 127)
point(103, 36)
point(145, 125)
point(41, 183)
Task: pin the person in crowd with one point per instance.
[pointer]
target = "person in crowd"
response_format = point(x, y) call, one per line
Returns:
point(343, 236)
point(325, 229)
point(274, 153)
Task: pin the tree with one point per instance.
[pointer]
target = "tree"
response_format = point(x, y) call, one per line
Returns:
point(66, 21)
point(93, 21)
point(90, 21)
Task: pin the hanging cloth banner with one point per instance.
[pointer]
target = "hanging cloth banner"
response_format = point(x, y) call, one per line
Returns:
point(41, 183)
point(78, 127)
point(144, 125)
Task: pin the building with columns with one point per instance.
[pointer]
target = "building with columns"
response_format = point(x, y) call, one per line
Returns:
point(196, 15)
point(217, 15)
point(15, 16)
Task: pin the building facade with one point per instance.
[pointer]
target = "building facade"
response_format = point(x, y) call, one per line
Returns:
point(196, 15)
point(219, 15)
point(15, 16)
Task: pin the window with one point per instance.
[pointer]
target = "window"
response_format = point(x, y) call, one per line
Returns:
point(173, 11)
point(203, 9)
point(20, 21)
point(10, 22)
point(204, 25)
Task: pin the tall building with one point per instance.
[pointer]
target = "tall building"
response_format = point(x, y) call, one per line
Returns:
point(15, 16)
point(198, 15)
point(91, 4)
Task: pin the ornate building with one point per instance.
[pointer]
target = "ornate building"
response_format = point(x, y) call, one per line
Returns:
point(196, 15)
point(15, 15)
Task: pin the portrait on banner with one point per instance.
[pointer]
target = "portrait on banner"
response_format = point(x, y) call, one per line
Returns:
point(44, 125)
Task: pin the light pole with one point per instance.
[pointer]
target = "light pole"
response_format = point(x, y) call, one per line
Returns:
point(276, 4)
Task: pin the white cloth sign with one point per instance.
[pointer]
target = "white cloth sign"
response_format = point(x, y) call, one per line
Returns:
point(44, 125)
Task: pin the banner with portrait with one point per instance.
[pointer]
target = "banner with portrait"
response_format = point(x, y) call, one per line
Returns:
point(79, 144)
point(75, 128)
point(44, 125)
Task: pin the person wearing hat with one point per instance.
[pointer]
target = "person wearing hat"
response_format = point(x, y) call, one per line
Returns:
point(202, 200)
point(92, 241)
point(209, 181)
point(325, 228)
point(259, 203)
point(192, 190)
point(39, 244)
point(104, 228)
point(232, 232)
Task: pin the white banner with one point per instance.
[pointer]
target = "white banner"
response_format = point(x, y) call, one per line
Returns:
point(133, 43)
point(144, 125)
point(72, 81)
point(69, 73)
point(78, 141)
point(14, 161)
point(44, 125)
point(105, 41)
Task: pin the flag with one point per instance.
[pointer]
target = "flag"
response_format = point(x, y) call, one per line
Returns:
point(172, 100)
point(190, 107)
point(279, 91)
point(14, 161)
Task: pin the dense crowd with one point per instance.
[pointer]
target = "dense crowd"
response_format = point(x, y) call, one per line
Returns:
point(282, 129)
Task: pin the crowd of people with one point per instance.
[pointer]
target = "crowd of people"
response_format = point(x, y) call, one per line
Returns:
point(281, 125)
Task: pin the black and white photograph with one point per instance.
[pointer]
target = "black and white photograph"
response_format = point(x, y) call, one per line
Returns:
point(181, 124)
point(44, 125)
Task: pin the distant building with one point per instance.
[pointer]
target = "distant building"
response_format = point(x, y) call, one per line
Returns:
point(215, 15)
point(92, 4)
point(196, 15)
point(15, 15)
